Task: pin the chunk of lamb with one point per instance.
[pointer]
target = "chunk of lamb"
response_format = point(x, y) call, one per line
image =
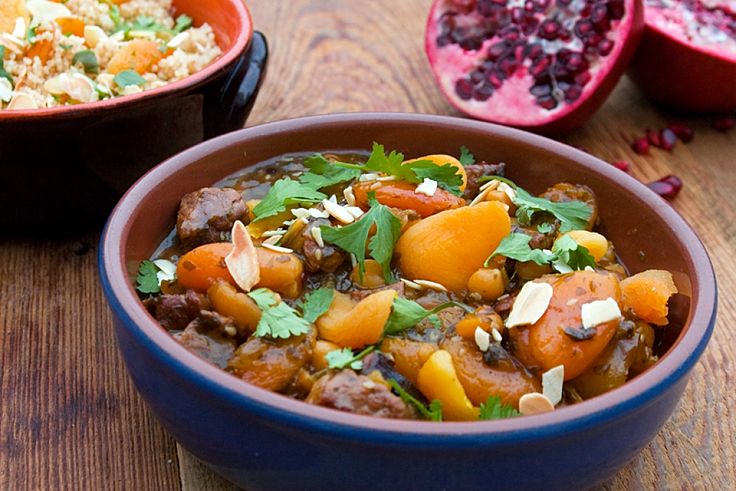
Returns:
point(213, 346)
point(358, 394)
point(476, 171)
point(175, 312)
point(208, 215)
point(563, 192)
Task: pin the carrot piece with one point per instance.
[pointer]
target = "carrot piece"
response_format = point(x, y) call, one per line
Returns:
point(402, 195)
point(408, 355)
point(202, 266)
point(646, 295)
point(281, 272)
point(139, 55)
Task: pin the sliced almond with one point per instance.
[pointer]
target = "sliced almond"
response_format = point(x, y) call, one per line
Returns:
point(386, 178)
point(75, 85)
point(482, 339)
point(242, 262)
point(432, 285)
point(552, 381)
point(271, 233)
point(12, 43)
point(481, 197)
point(45, 11)
point(276, 248)
point(272, 239)
point(411, 284)
point(22, 101)
point(167, 270)
point(535, 403)
point(317, 236)
point(368, 177)
point(599, 312)
point(337, 211)
point(493, 184)
point(496, 334)
point(356, 211)
point(507, 190)
point(19, 30)
point(349, 195)
point(530, 305)
point(428, 187)
point(179, 40)
point(6, 90)
point(93, 35)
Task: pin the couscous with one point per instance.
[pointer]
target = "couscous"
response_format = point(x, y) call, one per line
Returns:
point(80, 51)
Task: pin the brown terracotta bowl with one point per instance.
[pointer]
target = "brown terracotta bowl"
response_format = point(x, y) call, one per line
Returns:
point(65, 167)
point(262, 440)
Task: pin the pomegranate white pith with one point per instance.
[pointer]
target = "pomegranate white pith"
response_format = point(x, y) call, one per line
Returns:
point(531, 63)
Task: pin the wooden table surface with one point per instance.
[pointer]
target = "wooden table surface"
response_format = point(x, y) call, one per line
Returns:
point(69, 416)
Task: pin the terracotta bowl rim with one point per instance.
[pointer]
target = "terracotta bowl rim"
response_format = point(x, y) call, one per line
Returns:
point(635, 394)
point(233, 51)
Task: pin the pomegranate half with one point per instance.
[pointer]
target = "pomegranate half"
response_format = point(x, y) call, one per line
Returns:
point(543, 65)
point(687, 57)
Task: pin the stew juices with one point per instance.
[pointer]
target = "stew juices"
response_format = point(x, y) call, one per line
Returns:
point(430, 288)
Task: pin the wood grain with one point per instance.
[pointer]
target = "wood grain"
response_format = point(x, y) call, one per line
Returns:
point(69, 417)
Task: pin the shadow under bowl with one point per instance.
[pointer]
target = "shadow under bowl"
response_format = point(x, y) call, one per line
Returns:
point(262, 440)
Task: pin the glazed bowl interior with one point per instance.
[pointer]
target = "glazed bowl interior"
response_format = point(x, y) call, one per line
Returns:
point(647, 233)
point(233, 27)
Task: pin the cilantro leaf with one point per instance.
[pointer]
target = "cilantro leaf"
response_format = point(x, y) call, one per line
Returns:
point(446, 175)
point(283, 193)
point(88, 59)
point(516, 246)
point(573, 215)
point(3, 73)
point(183, 22)
point(570, 255)
point(317, 303)
point(545, 228)
point(466, 158)
point(390, 164)
point(494, 409)
point(352, 238)
point(408, 313)
point(433, 413)
point(128, 77)
point(323, 173)
point(147, 279)
point(341, 358)
point(278, 320)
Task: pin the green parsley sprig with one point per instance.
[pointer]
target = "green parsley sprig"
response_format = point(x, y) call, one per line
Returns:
point(283, 193)
point(147, 279)
point(493, 408)
point(466, 158)
point(4, 74)
point(88, 59)
point(278, 320)
point(566, 254)
point(353, 238)
point(317, 303)
point(408, 313)
point(323, 173)
point(343, 358)
point(433, 412)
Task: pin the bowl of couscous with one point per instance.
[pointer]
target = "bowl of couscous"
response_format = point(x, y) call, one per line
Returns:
point(95, 92)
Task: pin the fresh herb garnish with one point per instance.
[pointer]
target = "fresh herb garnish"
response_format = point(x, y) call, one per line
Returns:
point(31, 33)
point(352, 238)
point(342, 358)
point(545, 228)
point(147, 279)
point(285, 192)
point(278, 320)
point(183, 22)
point(566, 254)
point(415, 172)
point(128, 77)
point(3, 73)
point(432, 413)
point(466, 158)
point(573, 215)
point(494, 409)
point(408, 313)
point(148, 24)
point(323, 173)
point(317, 303)
point(115, 17)
point(88, 59)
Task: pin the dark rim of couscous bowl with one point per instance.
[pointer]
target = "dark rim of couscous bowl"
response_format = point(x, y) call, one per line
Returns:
point(234, 50)
point(634, 395)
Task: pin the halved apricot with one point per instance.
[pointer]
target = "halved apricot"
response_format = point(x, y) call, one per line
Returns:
point(646, 295)
point(438, 380)
point(139, 55)
point(356, 325)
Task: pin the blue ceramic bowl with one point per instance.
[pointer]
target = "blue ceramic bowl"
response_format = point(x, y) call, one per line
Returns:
point(262, 440)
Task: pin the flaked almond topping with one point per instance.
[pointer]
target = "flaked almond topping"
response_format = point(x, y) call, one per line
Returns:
point(481, 197)
point(317, 213)
point(300, 212)
point(167, 270)
point(490, 185)
point(242, 262)
point(178, 40)
point(349, 195)
point(428, 187)
point(337, 211)
point(482, 339)
point(14, 44)
point(374, 186)
point(45, 11)
point(317, 236)
point(231, 331)
point(497, 337)
point(332, 198)
point(432, 285)
point(535, 403)
point(411, 284)
point(353, 260)
point(356, 211)
point(6, 90)
point(530, 305)
point(368, 177)
point(22, 101)
point(93, 35)
point(19, 30)
point(507, 190)
point(276, 248)
point(599, 312)
point(318, 254)
point(271, 233)
point(273, 239)
point(386, 178)
point(552, 381)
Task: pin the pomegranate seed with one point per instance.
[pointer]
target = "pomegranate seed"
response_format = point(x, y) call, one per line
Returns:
point(668, 187)
point(464, 89)
point(653, 137)
point(724, 123)
point(622, 165)
point(641, 145)
point(667, 139)
point(683, 132)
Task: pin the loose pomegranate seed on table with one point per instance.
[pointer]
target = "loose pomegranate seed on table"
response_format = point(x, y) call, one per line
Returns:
point(683, 132)
point(641, 145)
point(668, 187)
point(667, 139)
point(623, 165)
point(653, 137)
point(724, 123)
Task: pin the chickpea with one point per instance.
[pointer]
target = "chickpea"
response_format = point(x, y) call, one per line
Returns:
point(488, 283)
point(530, 270)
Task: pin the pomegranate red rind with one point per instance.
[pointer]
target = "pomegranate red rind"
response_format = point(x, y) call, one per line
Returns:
point(543, 65)
point(687, 57)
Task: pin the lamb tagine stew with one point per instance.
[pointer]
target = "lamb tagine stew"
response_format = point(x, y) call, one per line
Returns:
point(431, 288)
